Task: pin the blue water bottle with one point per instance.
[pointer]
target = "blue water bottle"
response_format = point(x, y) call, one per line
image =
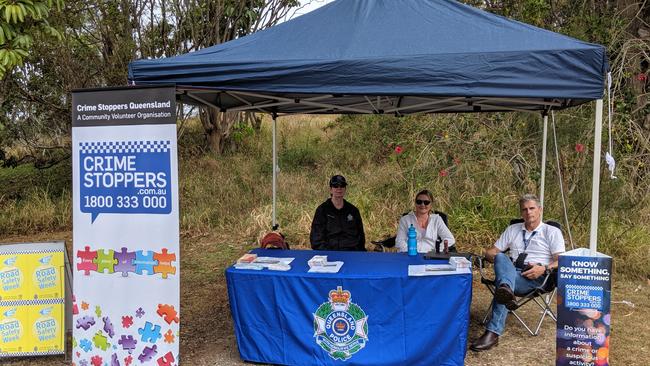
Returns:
point(412, 241)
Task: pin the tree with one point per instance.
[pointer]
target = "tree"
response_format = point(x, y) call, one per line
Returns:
point(21, 21)
point(184, 26)
point(100, 38)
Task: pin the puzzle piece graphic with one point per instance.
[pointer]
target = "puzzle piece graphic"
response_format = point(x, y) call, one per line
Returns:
point(125, 262)
point(149, 333)
point(166, 360)
point(108, 326)
point(96, 360)
point(114, 360)
point(139, 313)
point(164, 263)
point(169, 337)
point(85, 322)
point(100, 341)
point(168, 312)
point(127, 360)
point(127, 343)
point(74, 342)
point(105, 261)
point(87, 262)
point(144, 262)
point(83, 363)
point(98, 311)
point(148, 354)
point(127, 321)
point(84, 305)
point(85, 345)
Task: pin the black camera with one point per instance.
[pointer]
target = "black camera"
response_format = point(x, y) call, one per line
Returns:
point(520, 261)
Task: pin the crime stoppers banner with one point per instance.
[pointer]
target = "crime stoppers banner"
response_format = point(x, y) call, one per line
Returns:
point(583, 305)
point(32, 296)
point(125, 227)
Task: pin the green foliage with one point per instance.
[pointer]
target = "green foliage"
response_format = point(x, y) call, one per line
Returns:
point(20, 22)
point(304, 153)
point(231, 195)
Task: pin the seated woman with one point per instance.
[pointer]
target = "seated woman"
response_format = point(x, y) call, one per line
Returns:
point(428, 226)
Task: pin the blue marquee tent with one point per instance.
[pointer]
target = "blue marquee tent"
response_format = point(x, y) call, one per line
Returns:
point(392, 56)
point(388, 56)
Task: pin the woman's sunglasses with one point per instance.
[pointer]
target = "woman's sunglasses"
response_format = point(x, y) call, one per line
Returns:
point(336, 185)
point(422, 202)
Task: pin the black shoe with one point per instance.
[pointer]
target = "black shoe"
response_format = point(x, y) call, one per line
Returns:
point(504, 294)
point(485, 342)
point(512, 305)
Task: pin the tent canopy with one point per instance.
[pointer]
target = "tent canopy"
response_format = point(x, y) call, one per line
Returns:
point(387, 56)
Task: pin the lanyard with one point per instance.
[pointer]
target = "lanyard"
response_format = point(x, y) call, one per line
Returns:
point(526, 242)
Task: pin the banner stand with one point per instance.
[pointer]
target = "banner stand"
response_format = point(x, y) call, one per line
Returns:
point(583, 305)
point(125, 222)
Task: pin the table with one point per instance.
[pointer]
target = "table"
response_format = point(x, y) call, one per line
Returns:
point(371, 307)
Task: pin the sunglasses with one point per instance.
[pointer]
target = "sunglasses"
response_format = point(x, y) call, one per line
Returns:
point(336, 185)
point(422, 202)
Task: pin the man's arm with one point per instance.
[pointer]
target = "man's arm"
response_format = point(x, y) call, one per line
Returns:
point(492, 252)
point(537, 270)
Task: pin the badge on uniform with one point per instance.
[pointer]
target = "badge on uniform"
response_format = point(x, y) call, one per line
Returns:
point(350, 217)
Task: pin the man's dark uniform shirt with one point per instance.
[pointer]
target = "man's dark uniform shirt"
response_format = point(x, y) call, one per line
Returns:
point(334, 229)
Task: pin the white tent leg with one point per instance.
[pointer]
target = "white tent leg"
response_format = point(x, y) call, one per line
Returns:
point(543, 178)
point(595, 181)
point(275, 169)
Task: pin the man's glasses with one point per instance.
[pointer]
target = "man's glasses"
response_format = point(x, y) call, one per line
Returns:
point(337, 185)
point(422, 202)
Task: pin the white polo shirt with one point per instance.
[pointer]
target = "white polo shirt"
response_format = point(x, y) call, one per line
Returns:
point(543, 242)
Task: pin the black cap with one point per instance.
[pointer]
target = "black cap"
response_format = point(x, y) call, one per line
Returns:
point(338, 180)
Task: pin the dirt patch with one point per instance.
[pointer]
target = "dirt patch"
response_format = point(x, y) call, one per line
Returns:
point(207, 336)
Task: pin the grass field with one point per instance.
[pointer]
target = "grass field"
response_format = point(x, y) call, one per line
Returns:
point(476, 169)
point(207, 335)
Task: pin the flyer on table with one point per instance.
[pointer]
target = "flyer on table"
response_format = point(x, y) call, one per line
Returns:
point(125, 227)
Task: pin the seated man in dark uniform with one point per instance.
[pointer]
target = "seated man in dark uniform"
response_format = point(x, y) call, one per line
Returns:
point(337, 223)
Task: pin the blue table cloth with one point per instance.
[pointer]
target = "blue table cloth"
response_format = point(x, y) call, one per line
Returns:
point(369, 313)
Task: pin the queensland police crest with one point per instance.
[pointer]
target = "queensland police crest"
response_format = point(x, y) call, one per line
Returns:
point(340, 326)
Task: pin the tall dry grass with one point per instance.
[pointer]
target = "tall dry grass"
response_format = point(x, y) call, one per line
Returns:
point(476, 166)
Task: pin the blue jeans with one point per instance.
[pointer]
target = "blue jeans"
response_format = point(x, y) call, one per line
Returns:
point(506, 273)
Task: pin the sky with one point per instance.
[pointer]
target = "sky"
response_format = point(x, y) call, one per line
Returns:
point(310, 5)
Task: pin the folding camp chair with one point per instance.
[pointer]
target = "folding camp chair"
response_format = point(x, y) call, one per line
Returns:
point(543, 295)
point(382, 245)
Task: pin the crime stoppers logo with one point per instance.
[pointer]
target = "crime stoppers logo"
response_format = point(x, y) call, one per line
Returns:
point(340, 326)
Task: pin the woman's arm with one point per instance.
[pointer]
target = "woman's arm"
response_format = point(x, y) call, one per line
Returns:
point(443, 231)
point(318, 234)
point(402, 230)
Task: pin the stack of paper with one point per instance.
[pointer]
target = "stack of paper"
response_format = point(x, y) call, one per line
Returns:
point(435, 270)
point(327, 267)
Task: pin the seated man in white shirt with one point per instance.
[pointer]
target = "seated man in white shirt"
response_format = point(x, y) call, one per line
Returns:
point(534, 250)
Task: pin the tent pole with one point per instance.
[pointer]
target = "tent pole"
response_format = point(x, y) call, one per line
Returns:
point(595, 180)
point(275, 169)
point(543, 178)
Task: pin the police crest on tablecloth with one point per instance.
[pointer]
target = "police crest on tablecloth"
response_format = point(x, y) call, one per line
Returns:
point(340, 326)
